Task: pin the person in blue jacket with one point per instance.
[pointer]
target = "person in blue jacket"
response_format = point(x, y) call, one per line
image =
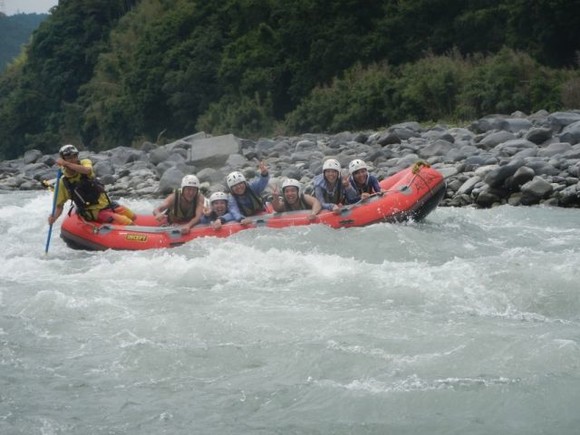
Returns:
point(361, 181)
point(331, 190)
point(245, 199)
point(217, 213)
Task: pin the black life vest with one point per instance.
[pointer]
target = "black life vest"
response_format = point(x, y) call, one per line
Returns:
point(365, 188)
point(338, 196)
point(84, 193)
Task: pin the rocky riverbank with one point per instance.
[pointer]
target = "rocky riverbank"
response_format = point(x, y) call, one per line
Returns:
point(512, 159)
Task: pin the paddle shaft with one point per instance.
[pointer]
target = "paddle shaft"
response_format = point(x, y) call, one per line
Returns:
point(54, 198)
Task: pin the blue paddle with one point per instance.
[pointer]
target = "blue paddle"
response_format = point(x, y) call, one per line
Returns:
point(55, 196)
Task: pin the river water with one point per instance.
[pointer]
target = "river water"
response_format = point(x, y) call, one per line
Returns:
point(467, 323)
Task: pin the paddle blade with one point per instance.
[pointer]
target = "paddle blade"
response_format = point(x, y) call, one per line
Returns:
point(54, 198)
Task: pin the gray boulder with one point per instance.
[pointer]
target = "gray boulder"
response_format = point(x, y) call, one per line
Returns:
point(388, 138)
point(487, 123)
point(574, 170)
point(210, 175)
point(438, 148)
point(511, 147)
point(554, 149)
point(535, 190)
point(487, 198)
point(496, 177)
point(236, 161)
point(170, 179)
point(493, 139)
point(558, 120)
point(35, 170)
point(305, 145)
point(516, 125)
point(265, 145)
point(571, 133)
point(574, 153)
point(103, 167)
point(468, 185)
point(213, 151)
point(158, 155)
point(541, 167)
point(461, 134)
point(520, 177)
point(538, 135)
point(31, 156)
point(405, 133)
point(122, 155)
point(570, 196)
point(438, 133)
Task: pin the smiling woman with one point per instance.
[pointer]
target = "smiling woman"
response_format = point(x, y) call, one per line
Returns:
point(28, 6)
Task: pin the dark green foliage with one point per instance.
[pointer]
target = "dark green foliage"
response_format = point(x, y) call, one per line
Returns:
point(549, 30)
point(362, 99)
point(434, 88)
point(244, 116)
point(507, 82)
point(60, 59)
point(15, 31)
point(428, 88)
point(103, 73)
point(159, 76)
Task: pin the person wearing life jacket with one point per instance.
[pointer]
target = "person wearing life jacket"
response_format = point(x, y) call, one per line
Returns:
point(332, 190)
point(217, 213)
point(293, 199)
point(245, 200)
point(78, 184)
point(184, 206)
point(361, 181)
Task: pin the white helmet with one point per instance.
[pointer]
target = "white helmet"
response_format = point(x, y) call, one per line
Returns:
point(291, 182)
point(190, 181)
point(331, 164)
point(234, 178)
point(356, 165)
point(218, 196)
point(68, 150)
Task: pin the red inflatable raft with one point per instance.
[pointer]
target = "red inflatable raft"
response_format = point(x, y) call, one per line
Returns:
point(410, 195)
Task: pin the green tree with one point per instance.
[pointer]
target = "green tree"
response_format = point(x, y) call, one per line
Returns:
point(549, 30)
point(15, 31)
point(159, 75)
point(60, 58)
point(111, 72)
point(507, 82)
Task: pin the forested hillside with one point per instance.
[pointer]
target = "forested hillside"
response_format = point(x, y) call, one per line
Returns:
point(103, 73)
point(15, 31)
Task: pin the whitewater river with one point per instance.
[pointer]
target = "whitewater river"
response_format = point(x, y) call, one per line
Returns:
point(468, 323)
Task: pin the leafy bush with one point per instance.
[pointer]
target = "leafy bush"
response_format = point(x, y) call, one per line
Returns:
point(361, 99)
point(571, 93)
point(427, 90)
point(108, 72)
point(243, 116)
point(507, 82)
point(432, 89)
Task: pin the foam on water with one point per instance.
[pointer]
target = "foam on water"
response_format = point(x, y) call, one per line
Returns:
point(466, 323)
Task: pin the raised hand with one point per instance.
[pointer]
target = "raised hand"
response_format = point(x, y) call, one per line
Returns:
point(263, 168)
